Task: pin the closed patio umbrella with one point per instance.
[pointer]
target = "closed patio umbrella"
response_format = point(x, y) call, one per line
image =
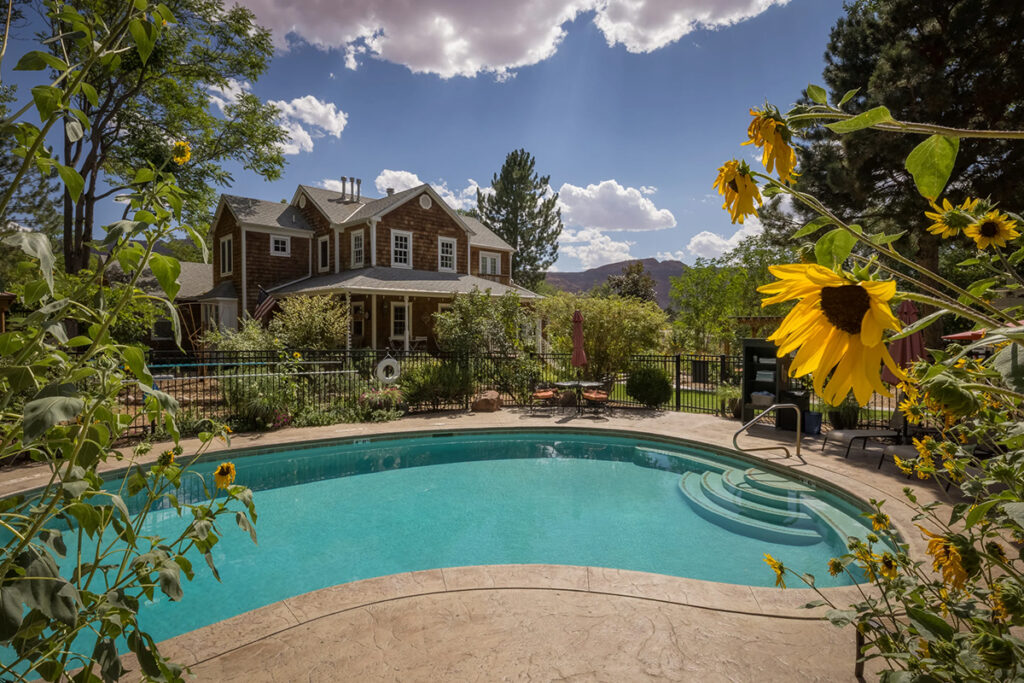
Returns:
point(909, 349)
point(579, 356)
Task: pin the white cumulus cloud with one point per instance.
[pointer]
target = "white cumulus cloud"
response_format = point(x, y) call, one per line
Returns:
point(710, 245)
point(610, 206)
point(315, 112)
point(222, 96)
point(464, 198)
point(299, 139)
point(671, 255)
point(457, 38)
point(592, 247)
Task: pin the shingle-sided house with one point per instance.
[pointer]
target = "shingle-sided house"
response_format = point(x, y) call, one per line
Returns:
point(396, 260)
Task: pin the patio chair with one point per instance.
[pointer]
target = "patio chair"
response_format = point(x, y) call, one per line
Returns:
point(543, 397)
point(894, 432)
point(597, 399)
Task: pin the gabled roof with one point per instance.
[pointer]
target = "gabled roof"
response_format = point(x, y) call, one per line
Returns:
point(331, 203)
point(484, 236)
point(265, 214)
point(399, 281)
point(195, 279)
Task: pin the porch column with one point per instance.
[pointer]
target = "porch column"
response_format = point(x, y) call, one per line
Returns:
point(408, 322)
point(373, 321)
point(348, 332)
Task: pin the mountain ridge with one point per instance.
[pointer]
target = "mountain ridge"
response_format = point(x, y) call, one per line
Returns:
point(584, 281)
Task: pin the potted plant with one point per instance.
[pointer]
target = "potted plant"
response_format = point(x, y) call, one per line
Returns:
point(846, 415)
point(729, 396)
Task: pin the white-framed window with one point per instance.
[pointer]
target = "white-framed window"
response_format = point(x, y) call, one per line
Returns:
point(323, 251)
point(280, 245)
point(490, 263)
point(401, 249)
point(222, 314)
point(227, 255)
point(444, 308)
point(399, 319)
point(446, 254)
point(357, 318)
point(357, 249)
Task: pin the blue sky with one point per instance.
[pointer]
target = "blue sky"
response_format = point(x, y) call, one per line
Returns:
point(629, 107)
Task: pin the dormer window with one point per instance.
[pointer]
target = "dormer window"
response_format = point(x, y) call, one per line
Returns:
point(446, 254)
point(401, 249)
point(280, 246)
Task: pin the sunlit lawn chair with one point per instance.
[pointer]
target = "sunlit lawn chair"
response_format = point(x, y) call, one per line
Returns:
point(543, 397)
point(598, 400)
point(893, 433)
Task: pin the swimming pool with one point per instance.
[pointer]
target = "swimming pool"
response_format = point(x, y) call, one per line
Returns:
point(345, 511)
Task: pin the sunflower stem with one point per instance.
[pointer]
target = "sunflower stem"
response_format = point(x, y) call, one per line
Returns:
point(897, 126)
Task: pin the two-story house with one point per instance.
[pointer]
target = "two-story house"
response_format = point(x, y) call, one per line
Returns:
point(396, 260)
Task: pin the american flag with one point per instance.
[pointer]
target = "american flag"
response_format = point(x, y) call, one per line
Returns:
point(264, 304)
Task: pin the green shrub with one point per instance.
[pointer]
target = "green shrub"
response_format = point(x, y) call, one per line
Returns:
point(650, 386)
point(514, 376)
point(311, 322)
point(437, 382)
point(258, 400)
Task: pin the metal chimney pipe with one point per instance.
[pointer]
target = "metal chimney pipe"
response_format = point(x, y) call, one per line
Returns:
point(359, 188)
point(391, 191)
point(342, 188)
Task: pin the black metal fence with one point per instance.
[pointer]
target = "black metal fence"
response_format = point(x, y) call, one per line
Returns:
point(276, 388)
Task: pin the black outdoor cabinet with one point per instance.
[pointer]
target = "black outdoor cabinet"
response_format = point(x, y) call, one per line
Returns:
point(760, 373)
point(786, 419)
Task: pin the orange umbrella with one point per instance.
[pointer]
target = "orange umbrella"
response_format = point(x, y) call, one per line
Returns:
point(909, 349)
point(579, 356)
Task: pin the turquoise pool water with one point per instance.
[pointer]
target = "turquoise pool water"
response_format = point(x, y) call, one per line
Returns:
point(339, 513)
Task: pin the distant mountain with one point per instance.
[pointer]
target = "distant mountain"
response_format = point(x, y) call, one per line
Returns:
point(588, 279)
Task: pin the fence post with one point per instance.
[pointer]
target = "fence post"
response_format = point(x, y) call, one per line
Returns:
point(723, 372)
point(679, 372)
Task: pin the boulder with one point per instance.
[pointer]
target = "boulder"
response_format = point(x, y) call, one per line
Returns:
point(567, 399)
point(487, 402)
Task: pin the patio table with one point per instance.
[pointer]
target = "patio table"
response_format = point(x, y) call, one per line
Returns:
point(578, 385)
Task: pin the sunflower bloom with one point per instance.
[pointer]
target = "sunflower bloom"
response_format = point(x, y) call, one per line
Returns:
point(166, 459)
point(887, 566)
point(837, 327)
point(949, 220)
point(993, 228)
point(903, 466)
point(182, 152)
point(735, 183)
point(770, 132)
point(224, 475)
point(778, 568)
point(835, 566)
point(945, 559)
point(879, 521)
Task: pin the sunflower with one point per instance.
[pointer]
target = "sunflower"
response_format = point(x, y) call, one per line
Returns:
point(182, 152)
point(224, 475)
point(887, 566)
point(835, 566)
point(778, 568)
point(949, 219)
point(735, 183)
point(769, 131)
point(165, 459)
point(837, 327)
point(945, 559)
point(879, 521)
point(992, 228)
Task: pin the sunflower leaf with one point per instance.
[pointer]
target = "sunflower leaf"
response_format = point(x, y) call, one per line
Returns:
point(848, 96)
point(833, 247)
point(813, 227)
point(931, 164)
point(872, 117)
point(1010, 365)
point(918, 325)
point(817, 94)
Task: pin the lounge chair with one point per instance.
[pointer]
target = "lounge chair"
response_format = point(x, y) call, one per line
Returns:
point(895, 432)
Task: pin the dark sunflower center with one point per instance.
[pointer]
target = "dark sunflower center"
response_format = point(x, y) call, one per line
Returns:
point(845, 306)
point(733, 186)
point(989, 229)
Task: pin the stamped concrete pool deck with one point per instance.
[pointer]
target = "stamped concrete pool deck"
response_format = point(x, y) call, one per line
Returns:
point(545, 622)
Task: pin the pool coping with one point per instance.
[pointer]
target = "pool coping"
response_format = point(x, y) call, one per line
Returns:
point(262, 623)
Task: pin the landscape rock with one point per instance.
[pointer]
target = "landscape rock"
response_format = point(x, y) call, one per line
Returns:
point(487, 402)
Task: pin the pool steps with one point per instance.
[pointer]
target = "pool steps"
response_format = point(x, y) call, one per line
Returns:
point(761, 503)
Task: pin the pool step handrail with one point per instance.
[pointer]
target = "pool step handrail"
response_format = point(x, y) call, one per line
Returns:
point(774, 406)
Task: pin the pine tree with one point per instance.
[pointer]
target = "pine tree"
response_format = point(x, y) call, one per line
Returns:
point(522, 213)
